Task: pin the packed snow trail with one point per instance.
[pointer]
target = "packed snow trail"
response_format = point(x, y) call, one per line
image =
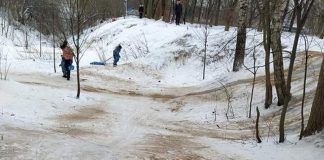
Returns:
point(119, 127)
point(109, 122)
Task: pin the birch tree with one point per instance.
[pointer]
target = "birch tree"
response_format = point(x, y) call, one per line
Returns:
point(241, 36)
point(277, 22)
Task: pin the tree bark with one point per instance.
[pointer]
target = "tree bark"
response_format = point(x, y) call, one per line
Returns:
point(302, 11)
point(264, 10)
point(186, 10)
point(260, 9)
point(251, 12)
point(146, 7)
point(200, 10)
point(278, 64)
point(53, 27)
point(292, 20)
point(276, 46)
point(316, 120)
point(241, 37)
point(218, 6)
point(257, 126)
point(193, 12)
point(230, 15)
point(155, 6)
point(302, 124)
point(320, 25)
point(163, 6)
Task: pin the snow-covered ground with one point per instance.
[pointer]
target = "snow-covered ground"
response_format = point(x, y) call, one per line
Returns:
point(154, 105)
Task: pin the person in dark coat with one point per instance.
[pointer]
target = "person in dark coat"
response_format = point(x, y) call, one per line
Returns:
point(178, 11)
point(141, 11)
point(116, 54)
point(62, 65)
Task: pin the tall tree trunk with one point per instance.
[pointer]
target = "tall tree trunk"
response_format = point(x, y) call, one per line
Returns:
point(316, 120)
point(260, 9)
point(285, 11)
point(230, 15)
point(251, 12)
point(217, 12)
point(264, 10)
point(146, 7)
point(53, 30)
point(194, 11)
point(200, 10)
point(293, 16)
point(186, 10)
point(302, 11)
point(209, 11)
point(320, 25)
point(276, 46)
point(151, 9)
point(40, 41)
point(302, 124)
point(163, 6)
point(241, 36)
point(155, 6)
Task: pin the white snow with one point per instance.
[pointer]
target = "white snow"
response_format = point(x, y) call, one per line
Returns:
point(154, 104)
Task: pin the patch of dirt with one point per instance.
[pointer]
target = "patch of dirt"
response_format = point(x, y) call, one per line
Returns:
point(74, 131)
point(164, 147)
point(88, 88)
point(81, 121)
point(83, 114)
point(176, 105)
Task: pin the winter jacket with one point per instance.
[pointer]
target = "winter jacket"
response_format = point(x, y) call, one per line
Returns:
point(116, 52)
point(68, 53)
point(141, 9)
point(178, 9)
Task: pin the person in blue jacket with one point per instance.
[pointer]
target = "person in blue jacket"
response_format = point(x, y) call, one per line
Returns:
point(116, 54)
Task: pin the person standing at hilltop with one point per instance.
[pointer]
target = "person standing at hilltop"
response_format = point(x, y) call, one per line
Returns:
point(141, 11)
point(178, 11)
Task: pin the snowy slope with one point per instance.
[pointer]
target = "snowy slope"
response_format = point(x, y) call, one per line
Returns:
point(154, 105)
point(173, 54)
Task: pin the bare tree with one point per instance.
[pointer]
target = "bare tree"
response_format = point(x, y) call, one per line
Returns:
point(203, 36)
point(229, 95)
point(53, 33)
point(77, 22)
point(277, 22)
point(304, 87)
point(265, 18)
point(241, 37)
point(302, 9)
point(254, 71)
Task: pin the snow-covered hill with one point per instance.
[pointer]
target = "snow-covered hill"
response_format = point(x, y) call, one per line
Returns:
point(154, 104)
point(174, 54)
